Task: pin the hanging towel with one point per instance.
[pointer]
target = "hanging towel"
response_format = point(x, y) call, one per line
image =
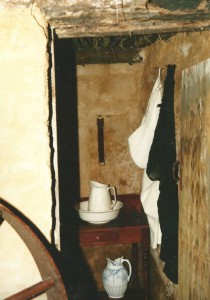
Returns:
point(141, 139)
point(139, 145)
point(149, 196)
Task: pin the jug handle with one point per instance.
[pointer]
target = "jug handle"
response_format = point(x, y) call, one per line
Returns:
point(114, 193)
point(130, 268)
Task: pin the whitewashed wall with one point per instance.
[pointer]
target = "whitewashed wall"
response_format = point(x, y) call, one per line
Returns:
point(25, 175)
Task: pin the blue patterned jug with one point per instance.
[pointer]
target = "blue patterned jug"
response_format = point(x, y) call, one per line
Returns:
point(116, 277)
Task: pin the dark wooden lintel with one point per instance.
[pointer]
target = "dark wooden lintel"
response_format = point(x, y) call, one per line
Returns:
point(131, 29)
point(108, 56)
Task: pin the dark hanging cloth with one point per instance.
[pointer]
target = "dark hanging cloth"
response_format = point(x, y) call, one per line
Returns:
point(161, 160)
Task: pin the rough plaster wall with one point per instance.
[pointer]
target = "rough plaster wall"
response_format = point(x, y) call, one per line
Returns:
point(120, 93)
point(113, 92)
point(25, 176)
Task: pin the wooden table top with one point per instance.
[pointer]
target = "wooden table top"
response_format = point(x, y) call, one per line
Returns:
point(128, 227)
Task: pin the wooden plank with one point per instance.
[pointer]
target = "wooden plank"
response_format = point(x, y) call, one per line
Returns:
point(194, 243)
point(64, 32)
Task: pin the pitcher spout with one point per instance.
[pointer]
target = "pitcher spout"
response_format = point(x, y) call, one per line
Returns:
point(114, 264)
point(110, 263)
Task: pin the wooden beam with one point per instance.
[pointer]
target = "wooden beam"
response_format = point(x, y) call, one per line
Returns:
point(113, 17)
point(131, 29)
point(130, 23)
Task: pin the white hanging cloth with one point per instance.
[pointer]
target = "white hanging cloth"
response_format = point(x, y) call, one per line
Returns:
point(149, 197)
point(140, 143)
point(140, 140)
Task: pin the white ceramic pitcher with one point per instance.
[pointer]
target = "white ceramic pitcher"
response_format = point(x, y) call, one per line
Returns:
point(116, 277)
point(100, 197)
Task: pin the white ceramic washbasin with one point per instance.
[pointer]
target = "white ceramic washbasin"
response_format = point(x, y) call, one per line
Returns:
point(97, 217)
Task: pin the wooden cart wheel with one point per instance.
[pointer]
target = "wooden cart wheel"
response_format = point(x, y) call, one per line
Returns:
point(51, 283)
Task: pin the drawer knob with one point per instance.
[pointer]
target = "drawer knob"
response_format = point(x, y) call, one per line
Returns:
point(98, 238)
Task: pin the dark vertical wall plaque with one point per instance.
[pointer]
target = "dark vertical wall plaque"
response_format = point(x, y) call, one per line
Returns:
point(100, 124)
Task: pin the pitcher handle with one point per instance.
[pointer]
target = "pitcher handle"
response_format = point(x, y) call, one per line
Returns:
point(130, 268)
point(114, 194)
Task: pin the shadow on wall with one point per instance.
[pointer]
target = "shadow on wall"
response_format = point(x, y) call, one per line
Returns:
point(77, 276)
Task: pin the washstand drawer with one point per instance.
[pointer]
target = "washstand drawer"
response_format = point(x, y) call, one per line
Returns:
point(98, 237)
